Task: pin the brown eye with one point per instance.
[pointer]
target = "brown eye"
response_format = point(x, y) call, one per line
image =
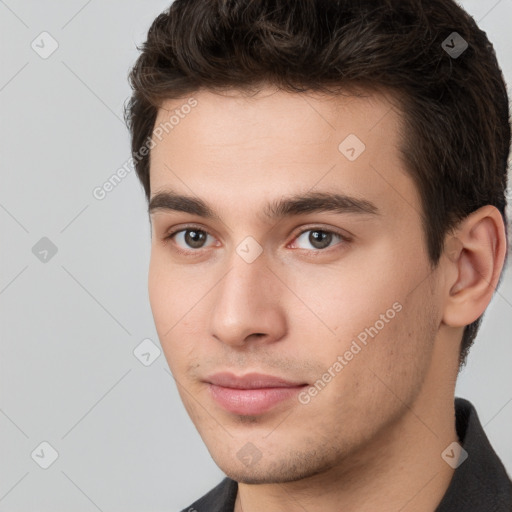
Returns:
point(318, 239)
point(189, 239)
point(194, 238)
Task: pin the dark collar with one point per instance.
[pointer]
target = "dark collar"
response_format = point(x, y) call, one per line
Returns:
point(479, 484)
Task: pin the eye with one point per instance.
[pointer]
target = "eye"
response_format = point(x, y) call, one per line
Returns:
point(319, 238)
point(189, 238)
point(192, 239)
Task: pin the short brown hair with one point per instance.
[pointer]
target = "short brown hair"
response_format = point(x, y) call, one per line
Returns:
point(456, 140)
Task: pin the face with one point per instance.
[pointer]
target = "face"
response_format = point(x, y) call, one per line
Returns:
point(291, 287)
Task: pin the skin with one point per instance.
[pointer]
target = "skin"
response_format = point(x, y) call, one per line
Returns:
point(372, 438)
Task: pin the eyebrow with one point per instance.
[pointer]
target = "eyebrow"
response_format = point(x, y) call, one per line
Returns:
point(311, 202)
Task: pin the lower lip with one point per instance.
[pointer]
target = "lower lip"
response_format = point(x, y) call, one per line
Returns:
point(251, 401)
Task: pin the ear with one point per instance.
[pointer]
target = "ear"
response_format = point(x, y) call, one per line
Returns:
point(474, 257)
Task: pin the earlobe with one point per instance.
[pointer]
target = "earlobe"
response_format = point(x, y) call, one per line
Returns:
point(475, 256)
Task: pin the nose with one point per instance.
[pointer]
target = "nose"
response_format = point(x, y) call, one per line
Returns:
point(246, 305)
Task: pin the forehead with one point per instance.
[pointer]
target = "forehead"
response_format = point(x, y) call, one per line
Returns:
point(306, 116)
point(236, 149)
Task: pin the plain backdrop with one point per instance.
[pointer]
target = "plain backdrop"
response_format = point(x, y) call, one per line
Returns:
point(73, 278)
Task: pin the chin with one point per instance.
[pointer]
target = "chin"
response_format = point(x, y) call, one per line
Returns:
point(276, 472)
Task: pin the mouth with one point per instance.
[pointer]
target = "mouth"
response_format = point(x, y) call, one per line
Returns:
point(251, 394)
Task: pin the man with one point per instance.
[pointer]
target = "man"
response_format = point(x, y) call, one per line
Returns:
point(326, 185)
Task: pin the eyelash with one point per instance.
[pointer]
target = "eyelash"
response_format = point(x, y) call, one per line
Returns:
point(171, 235)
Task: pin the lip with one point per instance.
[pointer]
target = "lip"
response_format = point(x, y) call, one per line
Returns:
point(251, 394)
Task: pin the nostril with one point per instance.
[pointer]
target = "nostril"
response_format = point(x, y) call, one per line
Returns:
point(256, 334)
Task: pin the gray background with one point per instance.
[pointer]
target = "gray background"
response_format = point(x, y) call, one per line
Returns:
point(70, 323)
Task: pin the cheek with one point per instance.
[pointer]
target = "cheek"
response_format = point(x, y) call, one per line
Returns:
point(348, 298)
point(166, 300)
point(158, 289)
point(379, 376)
point(171, 292)
point(376, 316)
point(398, 353)
point(174, 301)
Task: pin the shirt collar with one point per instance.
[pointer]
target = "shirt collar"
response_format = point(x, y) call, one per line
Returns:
point(480, 483)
